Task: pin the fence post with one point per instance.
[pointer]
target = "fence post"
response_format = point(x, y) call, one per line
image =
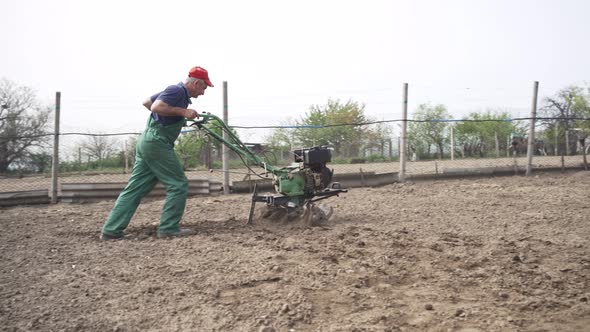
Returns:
point(362, 177)
point(497, 144)
point(531, 146)
point(390, 148)
point(55, 160)
point(225, 149)
point(126, 158)
point(567, 140)
point(404, 138)
point(583, 143)
point(555, 150)
point(452, 143)
point(80, 160)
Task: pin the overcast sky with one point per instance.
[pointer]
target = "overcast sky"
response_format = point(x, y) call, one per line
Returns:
point(280, 57)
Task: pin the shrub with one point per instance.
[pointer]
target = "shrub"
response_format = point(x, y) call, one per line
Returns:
point(376, 158)
point(358, 160)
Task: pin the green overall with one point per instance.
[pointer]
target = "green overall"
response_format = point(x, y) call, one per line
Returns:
point(155, 161)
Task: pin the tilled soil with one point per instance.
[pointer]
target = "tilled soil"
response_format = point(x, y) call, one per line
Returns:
point(494, 254)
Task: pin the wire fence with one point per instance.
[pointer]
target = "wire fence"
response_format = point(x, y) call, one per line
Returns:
point(435, 144)
point(104, 158)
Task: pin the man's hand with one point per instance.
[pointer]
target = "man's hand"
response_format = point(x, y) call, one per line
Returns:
point(191, 114)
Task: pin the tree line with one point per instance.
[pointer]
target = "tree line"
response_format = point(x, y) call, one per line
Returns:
point(25, 134)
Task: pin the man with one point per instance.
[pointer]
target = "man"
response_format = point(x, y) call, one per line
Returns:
point(155, 159)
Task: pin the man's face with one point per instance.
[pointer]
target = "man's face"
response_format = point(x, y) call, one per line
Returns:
point(197, 88)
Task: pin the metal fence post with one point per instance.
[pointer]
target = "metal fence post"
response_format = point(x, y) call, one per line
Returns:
point(567, 139)
point(497, 141)
point(583, 143)
point(390, 148)
point(452, 143)
point(225, 149)
point(531, 145)
point(126, 155)
point(55, 159)
point(404, 138)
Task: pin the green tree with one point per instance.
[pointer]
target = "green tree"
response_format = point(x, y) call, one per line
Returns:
point(193, 146)
point(39, 162)
point(484, 132)
point(23, 124)
point(281, 137)
point(280, 142)
point(429, 129)
point(333, 125)
point(188, 148)
point(376, 137)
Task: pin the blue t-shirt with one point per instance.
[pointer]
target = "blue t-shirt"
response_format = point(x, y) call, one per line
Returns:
point(175, 96)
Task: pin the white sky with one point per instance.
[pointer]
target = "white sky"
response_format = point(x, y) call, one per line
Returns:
point(280, 57)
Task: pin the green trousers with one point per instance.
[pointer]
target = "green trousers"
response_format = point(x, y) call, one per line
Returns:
point(155, 161)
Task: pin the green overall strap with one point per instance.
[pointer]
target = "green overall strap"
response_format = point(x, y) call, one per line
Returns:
point(168, 133)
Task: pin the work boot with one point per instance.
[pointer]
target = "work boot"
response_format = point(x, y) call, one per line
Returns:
point(180, 233)
point(109, 237)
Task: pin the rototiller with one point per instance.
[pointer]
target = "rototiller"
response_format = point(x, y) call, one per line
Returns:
point(298, 186)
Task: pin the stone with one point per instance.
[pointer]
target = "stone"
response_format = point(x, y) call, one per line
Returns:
point(267, 329)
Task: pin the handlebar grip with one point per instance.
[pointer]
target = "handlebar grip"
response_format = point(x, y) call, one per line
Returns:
point(203, 118)
point(198, 121)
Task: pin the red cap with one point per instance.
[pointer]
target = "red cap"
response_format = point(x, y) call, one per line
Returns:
point(200, 73)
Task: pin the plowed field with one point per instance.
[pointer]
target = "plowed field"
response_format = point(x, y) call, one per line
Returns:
point(493, 254)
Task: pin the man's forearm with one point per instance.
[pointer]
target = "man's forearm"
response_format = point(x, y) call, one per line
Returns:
point(167, 110)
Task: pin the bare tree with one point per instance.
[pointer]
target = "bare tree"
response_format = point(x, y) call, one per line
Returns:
point(565, 107)
point(23, 123)
point(98, 147)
